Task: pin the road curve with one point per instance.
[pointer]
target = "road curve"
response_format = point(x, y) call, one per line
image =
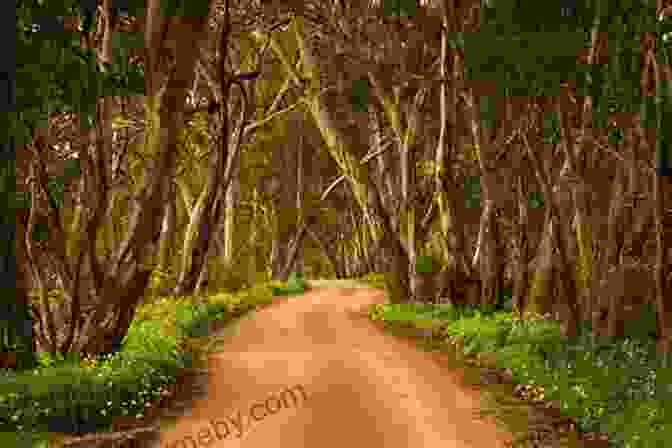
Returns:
point(312, 372)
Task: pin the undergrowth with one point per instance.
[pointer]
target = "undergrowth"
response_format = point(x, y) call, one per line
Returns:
point(616, 387)
point(66, 394)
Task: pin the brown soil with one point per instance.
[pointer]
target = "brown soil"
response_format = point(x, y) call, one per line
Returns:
point(313, 371)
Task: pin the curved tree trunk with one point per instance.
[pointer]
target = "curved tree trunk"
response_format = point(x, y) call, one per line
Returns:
point(164, 112)
point(206, 214)
point(25, 339)
point(614, 246)
point(520, 277)
point(167, 230)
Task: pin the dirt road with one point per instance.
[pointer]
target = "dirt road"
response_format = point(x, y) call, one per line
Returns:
point(313, 372)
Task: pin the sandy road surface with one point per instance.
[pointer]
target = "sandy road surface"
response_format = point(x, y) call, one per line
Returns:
point(311, 372)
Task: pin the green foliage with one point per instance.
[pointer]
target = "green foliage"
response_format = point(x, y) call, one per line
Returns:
point(616, 387)
point(185, 8)
point(63, 77)
point(71, 168)
point(40, 231)
point(56, 190)
point(504, 301)
point(411, 312)
point(517, 38)
point(359, 97)
point(295, 285)
point(424, 264)
point(536, 199)
point(400, 7)
point(46, 359)
point(296, 281)
point(472, 191)
point(551, 128)
point(65, 388)
point(644, 326)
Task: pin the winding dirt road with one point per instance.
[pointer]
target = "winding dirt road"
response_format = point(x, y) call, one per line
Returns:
point(312, 371)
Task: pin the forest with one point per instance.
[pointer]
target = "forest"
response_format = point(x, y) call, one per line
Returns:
point(484, 154)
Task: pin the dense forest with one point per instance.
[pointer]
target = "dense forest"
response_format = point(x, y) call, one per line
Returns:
point(225, 143)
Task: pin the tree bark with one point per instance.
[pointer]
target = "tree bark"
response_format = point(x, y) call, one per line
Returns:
point(24, 320)
point(168, 227)
point(164, 112)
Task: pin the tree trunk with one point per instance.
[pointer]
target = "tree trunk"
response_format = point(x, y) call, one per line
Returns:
point(278, 255)
point(292, 253)
point(221, 170)
point(407, 212)
point(487, 239)
point(539, 298)
point(324, 249)
point(614, 245)
point(198, 233)
point(520, 277)
point(230, 199)
point(584, 232)
point(21, 316)
point(663, 271)
point(164, 113)
point(167, 231)
point(284, 254)
point(397, 281)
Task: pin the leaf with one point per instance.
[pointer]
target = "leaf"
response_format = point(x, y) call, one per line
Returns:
point(536, 199)
point(56, 190)
point(40, 232)
point(71, 168)
point(400, 7)
point(424, 264)
point(359, 97)
point(21, 199)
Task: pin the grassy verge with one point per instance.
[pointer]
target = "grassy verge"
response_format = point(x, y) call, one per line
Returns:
point(617, 388)
point(73, 396)
point(374, 280)
point(295, 285)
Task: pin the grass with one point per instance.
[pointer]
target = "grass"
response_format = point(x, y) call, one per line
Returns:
point(616, 387)
point(72, 395)
point(295, 285)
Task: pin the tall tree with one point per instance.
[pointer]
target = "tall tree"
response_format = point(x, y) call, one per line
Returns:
point(88, 276)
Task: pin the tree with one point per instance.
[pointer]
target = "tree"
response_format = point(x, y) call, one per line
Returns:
point(164, 78)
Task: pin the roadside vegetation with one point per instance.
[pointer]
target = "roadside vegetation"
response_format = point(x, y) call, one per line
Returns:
point(82, 395)
point(618, 388)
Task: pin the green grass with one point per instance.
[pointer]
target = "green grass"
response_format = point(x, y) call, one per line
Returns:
point(617, 387)
point(51, 397)
point(295, 285)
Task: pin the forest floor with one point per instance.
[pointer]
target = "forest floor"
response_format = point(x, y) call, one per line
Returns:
point(312, 370)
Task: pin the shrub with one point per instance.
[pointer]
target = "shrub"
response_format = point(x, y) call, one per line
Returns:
point(68, 394)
